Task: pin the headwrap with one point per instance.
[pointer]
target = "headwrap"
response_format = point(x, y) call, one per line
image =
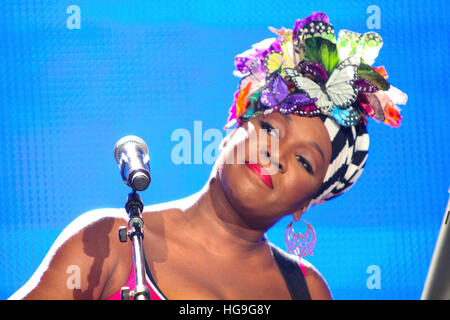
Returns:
point(349, 151)
point(306, 72)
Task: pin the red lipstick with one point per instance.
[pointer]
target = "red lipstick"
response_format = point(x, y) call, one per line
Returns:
point(259, 170)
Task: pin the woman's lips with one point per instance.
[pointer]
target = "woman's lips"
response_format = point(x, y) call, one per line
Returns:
point(259, 170)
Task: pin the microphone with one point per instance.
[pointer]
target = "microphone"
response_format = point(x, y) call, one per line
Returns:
point(131, 153)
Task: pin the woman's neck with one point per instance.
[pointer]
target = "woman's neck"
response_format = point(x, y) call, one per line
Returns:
point(210, 220)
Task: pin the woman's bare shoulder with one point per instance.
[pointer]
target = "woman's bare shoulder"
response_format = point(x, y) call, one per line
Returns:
point(94, 218)
point(89, 239)
point(317, 286)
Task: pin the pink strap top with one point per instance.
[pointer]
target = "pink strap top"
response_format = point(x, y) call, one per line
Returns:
point(155, 293)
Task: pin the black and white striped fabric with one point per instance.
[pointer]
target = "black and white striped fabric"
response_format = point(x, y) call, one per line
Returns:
point(350, 147)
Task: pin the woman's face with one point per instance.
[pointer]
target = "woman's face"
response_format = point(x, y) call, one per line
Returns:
point(273, 165)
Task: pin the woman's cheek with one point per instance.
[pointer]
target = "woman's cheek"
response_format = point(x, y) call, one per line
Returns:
point(298, 187)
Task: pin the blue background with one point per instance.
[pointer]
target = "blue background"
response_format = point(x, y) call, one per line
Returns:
point(148, 67)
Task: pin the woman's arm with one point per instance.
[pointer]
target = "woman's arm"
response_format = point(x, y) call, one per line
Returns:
point(80, 262)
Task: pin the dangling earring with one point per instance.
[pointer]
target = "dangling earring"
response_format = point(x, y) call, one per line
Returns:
point(299, 244)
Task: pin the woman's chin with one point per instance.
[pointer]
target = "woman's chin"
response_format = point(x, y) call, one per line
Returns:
point(243, 190)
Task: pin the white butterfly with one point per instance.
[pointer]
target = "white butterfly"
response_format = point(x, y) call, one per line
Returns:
point(337, 91)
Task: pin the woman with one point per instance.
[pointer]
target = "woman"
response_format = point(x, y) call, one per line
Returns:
point(301, 90)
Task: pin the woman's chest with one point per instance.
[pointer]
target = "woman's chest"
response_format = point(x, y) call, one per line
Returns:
point(186, 273)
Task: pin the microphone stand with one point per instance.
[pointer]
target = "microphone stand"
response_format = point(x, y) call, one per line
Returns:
point(134, 207)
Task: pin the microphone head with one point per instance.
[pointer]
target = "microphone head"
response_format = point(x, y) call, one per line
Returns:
point(140, 181)
point(120, 145)
point(131, 153)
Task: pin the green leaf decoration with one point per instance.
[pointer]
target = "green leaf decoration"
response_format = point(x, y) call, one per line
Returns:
point(367, 72)
point(323, 51)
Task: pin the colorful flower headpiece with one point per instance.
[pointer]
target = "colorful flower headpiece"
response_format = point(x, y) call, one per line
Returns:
point(305, 71)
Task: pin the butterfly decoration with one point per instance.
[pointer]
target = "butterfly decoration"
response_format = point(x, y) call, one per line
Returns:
point(347, 117)
point(242, 61)
point(315, 16)
point(317, 29)
point(367, 45)
point(311, 32)
point(385, 105)
point(276, 95)
point(338, 89)
point(313, 70)
point(308, 72)
point(299, 244)
point(381, 104)
point(365, 85)
point(287, 57)
point(364, 103)
point(256, 76)
point(250, 64)
point(372, 76)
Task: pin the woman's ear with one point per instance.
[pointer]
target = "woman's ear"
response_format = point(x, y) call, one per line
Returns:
point(297, 215)
point(300, 211)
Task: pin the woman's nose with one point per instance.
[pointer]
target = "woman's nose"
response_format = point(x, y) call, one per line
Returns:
point(276, 161)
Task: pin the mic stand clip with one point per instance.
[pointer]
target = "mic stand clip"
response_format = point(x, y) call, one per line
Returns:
point(134, 207)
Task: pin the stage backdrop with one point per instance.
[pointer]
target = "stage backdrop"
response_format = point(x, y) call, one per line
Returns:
point(78, 75)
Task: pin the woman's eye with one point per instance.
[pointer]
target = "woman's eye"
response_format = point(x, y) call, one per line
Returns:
point(268, 127)
point(305, 163)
